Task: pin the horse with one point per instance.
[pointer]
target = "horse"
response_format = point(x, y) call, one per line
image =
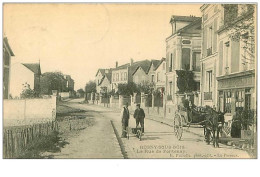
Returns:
point(213, 125)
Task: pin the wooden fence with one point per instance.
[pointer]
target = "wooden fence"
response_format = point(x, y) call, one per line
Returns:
point(16, 138)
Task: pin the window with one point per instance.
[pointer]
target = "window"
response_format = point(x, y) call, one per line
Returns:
point(240, 100)
point(122, 76)
point(152, 78)
point(158, 77)
point(210, 41)
point(209, 81)
point(196, 61)
point(170, 89)
point(226, 56)
point(117, 76)
point(125, 76)
point(227, 97)
point(186, 58)
point(170, 66)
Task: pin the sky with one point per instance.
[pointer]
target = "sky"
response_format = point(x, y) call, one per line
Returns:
point(77, 39)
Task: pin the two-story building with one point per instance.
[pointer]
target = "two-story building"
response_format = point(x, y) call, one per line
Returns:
point(160, 77)
point(7, 54)
point(183, 52)
point(104, 85)
point(124, 74)
point(100, 77)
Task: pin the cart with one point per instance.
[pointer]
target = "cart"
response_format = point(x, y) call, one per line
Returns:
point(186, 118)
point(138, 132)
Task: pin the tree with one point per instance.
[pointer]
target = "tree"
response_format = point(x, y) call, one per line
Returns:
point(27, 92)
point(53, 81)
point(146, 87)
point(185, 81)
point(127, 89)
point(90, 87)
point(241, 27)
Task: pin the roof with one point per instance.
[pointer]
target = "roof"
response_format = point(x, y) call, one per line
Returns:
point(198, 21)
point(122, 66)
point(155, 64)
point(103, 71)
point(162, 60)
point(34, 67)
point(195, 22)
point(183, 18)
point(144, 64)
point(8, 46)
point(106, 75)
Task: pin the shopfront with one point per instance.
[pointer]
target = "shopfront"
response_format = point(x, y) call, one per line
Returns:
point(236, 92)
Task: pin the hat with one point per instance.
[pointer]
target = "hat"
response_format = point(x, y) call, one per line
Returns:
point(138, 104)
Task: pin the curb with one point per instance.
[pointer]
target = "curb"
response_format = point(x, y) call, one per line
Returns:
point(121, 144)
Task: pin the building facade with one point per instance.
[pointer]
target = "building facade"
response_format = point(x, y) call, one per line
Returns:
point(236, 79)
point(124, 74)
point(7, 54)
point(183, 52)
point(211, 19)
point(25, 75)
point(160, 78)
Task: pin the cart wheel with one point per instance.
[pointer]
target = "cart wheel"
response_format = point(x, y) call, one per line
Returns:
point(139, 134)
point(178, 129)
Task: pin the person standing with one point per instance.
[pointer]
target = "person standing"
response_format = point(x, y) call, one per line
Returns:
point(125, 119)
point(139, 116)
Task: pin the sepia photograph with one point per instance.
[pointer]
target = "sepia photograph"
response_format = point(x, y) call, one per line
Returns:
point(129, 80)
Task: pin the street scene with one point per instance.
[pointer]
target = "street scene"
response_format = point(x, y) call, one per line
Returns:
point(129, 81)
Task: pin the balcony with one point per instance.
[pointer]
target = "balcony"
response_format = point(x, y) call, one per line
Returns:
point(209, 51)
point(207, 95)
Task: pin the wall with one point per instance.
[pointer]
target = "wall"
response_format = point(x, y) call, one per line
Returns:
point(64, 94)
point(29, 111)
point(140, 76)
point(20, 75)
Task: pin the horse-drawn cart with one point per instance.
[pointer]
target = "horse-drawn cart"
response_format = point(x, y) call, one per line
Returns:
point(185, 117)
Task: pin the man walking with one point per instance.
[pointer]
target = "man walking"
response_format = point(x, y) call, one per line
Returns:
point(139, 116)
point(125, 119)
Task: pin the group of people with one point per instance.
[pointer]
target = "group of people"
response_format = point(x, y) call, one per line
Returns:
point(139, 116)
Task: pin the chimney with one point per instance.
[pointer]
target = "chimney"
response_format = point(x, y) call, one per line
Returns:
point(131, 62)
point(116, 64)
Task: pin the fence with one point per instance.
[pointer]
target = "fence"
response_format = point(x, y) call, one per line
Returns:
point(16, 139)
point(29, 111)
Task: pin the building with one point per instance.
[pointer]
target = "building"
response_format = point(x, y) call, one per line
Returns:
point(151, 71)
point(142, 75)
point(183, 52)
point(211, 19)
point(7, 54)
point(25, 75)
point(124, 74)
point(70, 83)
point(104, 85)
point(103, 79)
point(236, 88)
point(160, 77)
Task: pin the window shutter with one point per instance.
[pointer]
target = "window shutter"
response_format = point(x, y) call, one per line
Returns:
point(204, 54)
point(215, 35)
point(220, 57)
point(235, 56)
